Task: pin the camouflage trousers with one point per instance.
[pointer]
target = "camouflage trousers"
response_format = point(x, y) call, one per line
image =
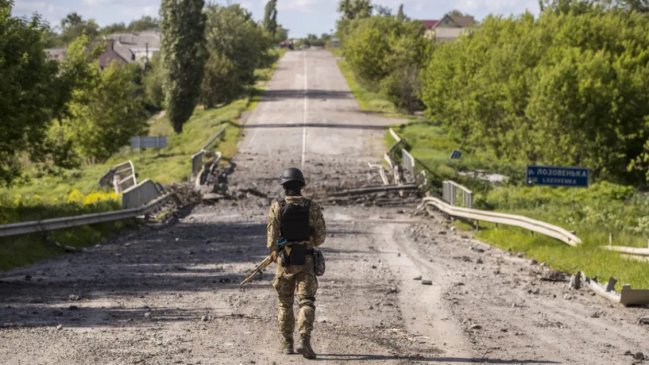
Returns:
point(305, 285)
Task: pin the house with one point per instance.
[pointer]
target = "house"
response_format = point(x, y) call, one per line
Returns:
point(115, 53)
point(122, 48)
point(141, 46)
point(449, 28)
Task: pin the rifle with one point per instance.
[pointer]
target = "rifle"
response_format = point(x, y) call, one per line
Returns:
point(256, 271)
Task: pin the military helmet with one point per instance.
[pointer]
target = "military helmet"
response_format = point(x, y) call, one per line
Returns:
point(292, 174)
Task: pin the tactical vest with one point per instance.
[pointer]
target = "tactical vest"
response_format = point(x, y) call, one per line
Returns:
point(295, 221)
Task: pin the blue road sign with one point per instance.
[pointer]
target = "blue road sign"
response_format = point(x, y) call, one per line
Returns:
point(577, 177)
point(455, 155)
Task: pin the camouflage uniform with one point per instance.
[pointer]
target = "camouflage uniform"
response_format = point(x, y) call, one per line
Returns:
point(300, 278)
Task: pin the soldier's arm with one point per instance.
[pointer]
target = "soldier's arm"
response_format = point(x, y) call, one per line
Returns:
point(272, 229)
point(317, 224)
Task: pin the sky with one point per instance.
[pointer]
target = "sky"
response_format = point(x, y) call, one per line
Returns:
point(301, 17)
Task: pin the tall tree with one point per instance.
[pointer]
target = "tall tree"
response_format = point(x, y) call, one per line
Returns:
point(29, 91)
point(183, 56)
point(270, 17)
point(237, 45)
point(73, 26)
point(355, 9)
point(401, 15)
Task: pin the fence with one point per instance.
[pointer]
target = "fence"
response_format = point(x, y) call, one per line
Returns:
point(140, 194)
point(121, 177)
point(197, 158)
point(450, 191)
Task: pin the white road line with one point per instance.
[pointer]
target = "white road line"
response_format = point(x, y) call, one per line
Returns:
point(306, 109)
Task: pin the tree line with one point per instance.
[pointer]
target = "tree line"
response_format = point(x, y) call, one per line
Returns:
point(63, 114)
point(569, 87)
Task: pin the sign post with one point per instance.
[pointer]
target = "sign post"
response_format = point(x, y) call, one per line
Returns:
point(576, 177)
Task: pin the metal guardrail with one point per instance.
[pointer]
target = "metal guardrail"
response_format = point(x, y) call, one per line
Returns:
point(140, 194)
point(197, 158)
point(45, 225)
point(450, 190)
point(506, 219)
point(121, 177)
point(636, 251)
point(627, 296)
point(214, 138)
point(408, 163)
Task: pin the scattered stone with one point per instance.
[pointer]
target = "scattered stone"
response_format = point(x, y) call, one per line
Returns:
point(441, 233)
point(477, 249)
point(147, 315)
point(476, 327)
point(639, 356)
point(479, 261)
point(73, 297)
point(554, 276)
point(533, 262)
point(595, 315)
point(644, 321)
point(59, 327)
point(73, 308)
point(459, 284)
point(373, 266)
point(204, 318)
point(520, 255)
point(575, 281)
point(393, 290)
point(426, 282)
point(28, 277)
point(417, 277)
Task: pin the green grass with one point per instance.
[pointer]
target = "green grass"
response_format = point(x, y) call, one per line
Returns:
point(592, 213)
point(73, 192)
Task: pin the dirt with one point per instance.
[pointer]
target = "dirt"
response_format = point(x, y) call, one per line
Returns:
point(400, 287)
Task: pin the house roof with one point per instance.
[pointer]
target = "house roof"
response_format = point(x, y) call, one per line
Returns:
point(111, 55)
point(430, 24)
point(149, 39)
point(463, 21)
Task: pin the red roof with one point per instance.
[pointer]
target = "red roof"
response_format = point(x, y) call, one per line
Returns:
point(429, 24)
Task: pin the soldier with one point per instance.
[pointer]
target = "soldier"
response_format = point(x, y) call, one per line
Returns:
point(297, 223)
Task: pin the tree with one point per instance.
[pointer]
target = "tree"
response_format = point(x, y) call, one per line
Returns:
point(382, 10)
point(144, 23)
point(355, 9)
point(29, 91)
point(237, 46)
point(401, 15)
point(107, 113)
point(73, 26)
point(183, 56)
point(270, 17)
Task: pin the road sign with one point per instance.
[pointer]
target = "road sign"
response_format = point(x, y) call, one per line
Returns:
point(577, 177)
point(455, 155)
point(148, 142)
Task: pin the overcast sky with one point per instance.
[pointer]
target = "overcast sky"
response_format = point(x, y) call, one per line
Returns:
point(299, 16)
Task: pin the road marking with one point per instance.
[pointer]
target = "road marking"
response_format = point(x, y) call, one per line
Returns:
point(306, 109)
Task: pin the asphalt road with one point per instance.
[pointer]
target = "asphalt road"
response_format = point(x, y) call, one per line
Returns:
point(171, 295)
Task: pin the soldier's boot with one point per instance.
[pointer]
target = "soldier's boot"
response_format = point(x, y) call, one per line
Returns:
point(287, 347)
point(304, 348)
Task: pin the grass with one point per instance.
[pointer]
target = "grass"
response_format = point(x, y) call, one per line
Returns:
point(73, 192)
point(594, 213)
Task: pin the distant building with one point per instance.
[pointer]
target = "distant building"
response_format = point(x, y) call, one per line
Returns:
point(122, 48)
point(141, 46)
point(449, 28)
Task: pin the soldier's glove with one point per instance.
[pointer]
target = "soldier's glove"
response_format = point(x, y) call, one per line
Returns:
point(273, 256)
